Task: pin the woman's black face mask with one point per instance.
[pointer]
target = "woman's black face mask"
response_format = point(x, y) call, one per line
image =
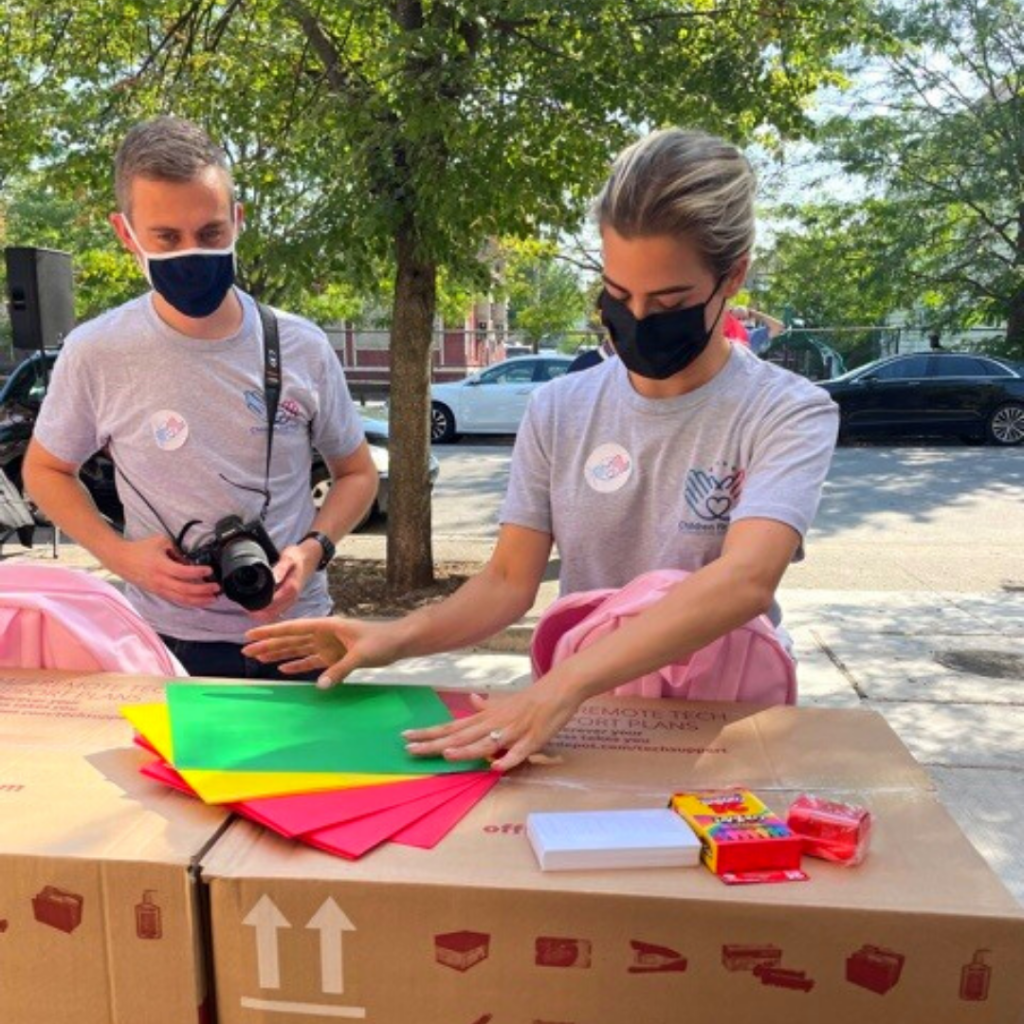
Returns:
point(661, 344)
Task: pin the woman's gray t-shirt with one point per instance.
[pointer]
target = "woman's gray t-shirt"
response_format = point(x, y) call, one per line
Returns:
point(627, 484)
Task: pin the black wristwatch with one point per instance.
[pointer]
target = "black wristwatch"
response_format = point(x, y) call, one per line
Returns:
point(326, 545)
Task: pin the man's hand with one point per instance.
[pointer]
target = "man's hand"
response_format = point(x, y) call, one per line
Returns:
point(339, 646)
point(294, 569)
point(155, 565)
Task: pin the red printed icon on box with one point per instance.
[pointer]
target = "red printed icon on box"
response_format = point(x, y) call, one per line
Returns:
point(748, 957)
point(558, 952)
point(461, 950)
point(781, 977)
point(148, 919)
point(651, 959)
point(975, 977)
point(876, 969)
point(57, 909)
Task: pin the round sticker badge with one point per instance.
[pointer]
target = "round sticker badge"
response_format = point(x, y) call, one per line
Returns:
point(170, 429)
point(609, 468)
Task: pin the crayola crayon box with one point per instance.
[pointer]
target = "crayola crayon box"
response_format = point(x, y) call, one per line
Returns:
point(737, 832)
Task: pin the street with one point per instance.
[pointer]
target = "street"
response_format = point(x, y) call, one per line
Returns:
point(891, 518)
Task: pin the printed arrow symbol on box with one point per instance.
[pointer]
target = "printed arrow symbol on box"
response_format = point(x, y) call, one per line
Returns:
point(332, 922)
point(266, 919)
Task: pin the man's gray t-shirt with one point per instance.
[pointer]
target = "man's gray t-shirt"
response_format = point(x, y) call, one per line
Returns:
point(185, 422)
point(627, 484)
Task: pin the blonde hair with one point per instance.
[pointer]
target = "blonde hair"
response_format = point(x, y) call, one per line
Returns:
point(679, 182)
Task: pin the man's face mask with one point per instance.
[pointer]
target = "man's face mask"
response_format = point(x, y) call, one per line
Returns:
point(661, 344)
point(193, 281)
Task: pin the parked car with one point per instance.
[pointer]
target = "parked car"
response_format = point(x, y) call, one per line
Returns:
point(22, 395)
point(492, 401)
point(923, 394)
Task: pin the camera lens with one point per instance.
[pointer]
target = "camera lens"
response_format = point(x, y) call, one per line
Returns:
point(246, 574)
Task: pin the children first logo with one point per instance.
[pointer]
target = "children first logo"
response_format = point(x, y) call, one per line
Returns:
point(711, 495)
point(288, 417)
point(609, 468)
point(170, 429)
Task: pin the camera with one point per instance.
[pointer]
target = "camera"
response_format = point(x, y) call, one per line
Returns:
point(240, 555)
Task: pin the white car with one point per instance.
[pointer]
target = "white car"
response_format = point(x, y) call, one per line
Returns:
point(492, 401)
point(378, 439)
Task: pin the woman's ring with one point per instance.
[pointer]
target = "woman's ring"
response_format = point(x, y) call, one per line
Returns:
point(495, 736)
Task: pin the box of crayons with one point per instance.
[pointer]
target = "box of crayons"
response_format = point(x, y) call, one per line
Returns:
point(737, 832)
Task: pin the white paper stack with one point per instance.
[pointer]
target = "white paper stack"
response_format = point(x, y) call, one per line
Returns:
point(635, 838)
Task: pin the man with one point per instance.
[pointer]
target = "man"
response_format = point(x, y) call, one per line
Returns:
point(174, 385)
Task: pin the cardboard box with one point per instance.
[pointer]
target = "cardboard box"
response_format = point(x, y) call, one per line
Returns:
point(99, 895)
point(300, 936)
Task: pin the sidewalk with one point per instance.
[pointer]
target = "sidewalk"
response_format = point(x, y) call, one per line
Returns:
point(946, 669)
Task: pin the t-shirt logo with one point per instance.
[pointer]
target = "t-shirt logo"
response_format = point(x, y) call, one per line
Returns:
point(609, 468)
point(170, 429)
point(712, 498)
point(289, 412)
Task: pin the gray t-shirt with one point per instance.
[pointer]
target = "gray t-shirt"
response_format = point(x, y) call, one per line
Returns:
point(181, 417)
point(627, 484)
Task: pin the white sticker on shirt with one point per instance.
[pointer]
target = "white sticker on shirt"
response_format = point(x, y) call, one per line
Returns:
point(170, 429)
point(609, 468)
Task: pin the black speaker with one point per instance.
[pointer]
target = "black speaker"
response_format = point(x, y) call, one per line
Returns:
point(42, 303)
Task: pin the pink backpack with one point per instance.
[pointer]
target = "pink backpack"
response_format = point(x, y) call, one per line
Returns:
point(67, 619)
point(748, 664)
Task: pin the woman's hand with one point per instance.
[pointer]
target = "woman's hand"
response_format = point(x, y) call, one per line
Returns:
point(506, 730)
point(339, 646)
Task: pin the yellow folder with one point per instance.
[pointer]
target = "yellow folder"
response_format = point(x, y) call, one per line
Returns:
point(223, 787)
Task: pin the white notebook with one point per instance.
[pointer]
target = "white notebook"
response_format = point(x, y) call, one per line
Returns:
point(635, 838)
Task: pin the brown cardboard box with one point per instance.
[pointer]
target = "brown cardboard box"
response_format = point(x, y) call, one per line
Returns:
point(301, 936)
point(99, 898)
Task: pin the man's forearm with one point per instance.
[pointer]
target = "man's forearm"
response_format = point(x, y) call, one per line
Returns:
point(65, 501)
point(347, 502)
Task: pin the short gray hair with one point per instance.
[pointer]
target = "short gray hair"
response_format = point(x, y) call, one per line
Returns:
point(166, 149)
point(678, 182)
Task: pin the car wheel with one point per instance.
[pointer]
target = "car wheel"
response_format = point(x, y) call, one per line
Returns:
point(843, 436)
point(442, 424)
point(321, 483)
point(1006, 424)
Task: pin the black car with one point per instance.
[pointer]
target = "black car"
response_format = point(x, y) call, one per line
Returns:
point(932, 394)
point(22, 395)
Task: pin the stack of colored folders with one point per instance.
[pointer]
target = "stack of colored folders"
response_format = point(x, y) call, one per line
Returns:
point(326, 768)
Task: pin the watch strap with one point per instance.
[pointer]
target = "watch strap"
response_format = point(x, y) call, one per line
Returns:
point(326, 546)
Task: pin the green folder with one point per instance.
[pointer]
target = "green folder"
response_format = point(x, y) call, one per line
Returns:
point(298, 728)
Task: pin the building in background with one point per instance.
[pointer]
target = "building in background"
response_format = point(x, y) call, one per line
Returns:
point(458, 349)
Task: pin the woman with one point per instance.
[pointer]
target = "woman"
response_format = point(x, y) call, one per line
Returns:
point(686, 452)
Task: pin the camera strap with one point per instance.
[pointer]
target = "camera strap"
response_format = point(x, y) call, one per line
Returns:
point(271, 398)
point(271, 388)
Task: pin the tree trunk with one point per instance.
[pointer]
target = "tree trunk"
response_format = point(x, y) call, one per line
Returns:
point(410, 560)
point(1015, 314)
